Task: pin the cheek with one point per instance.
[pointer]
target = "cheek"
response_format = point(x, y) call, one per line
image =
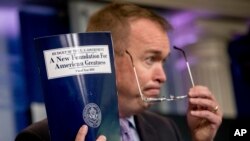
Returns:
point(124, 76)
point(144, 76)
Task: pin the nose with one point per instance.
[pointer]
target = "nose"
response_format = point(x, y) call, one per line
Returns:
point(159, 74)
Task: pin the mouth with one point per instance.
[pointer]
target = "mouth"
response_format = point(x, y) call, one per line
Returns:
point(152, 92)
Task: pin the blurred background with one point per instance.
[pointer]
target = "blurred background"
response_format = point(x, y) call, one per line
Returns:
point(214, 33)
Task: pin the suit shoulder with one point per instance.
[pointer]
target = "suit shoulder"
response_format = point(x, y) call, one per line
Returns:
point(154, 117)
point(158, 122)
point(38, 131)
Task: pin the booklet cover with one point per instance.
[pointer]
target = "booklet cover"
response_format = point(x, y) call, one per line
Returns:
point(78, 79)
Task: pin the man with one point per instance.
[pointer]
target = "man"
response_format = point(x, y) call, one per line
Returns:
point(140, 40)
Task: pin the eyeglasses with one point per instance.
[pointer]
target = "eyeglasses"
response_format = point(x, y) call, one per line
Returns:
point(161, 99)
point(187, 64)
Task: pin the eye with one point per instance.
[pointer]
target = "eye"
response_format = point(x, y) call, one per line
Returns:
point(150, 60)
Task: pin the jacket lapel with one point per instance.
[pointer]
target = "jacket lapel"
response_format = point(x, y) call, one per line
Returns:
point(145, 130)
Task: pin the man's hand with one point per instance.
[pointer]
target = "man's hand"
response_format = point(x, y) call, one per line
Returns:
point(83, 132)
point(204, 114)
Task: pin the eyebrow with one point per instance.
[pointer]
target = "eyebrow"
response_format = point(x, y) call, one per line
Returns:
point(157, 52)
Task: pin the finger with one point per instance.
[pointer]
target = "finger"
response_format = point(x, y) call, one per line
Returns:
point(205, 103)
point(210, 116)
point(101, 138)
point(82, 133)
point(200, 91)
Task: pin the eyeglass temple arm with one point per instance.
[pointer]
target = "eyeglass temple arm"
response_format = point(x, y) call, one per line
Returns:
point(187, 63)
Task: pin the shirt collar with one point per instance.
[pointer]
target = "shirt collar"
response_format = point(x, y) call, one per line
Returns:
point(132, 121)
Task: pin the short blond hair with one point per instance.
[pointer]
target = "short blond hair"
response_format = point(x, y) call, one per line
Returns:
point(116, 17)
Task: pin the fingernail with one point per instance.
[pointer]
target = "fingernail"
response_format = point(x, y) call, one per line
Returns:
point(190, 91)
point(102, 138)
point(192, 112)
point(190, 100)
point(85, 128)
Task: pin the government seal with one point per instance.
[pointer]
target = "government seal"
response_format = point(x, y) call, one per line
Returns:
point(92, 115)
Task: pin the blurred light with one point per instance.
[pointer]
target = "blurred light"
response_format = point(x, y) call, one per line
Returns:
point(181, 19)
point(9, 21)
point(186, 39)
point(184, 32)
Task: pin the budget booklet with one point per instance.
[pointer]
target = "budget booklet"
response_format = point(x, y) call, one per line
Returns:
point(78, 80)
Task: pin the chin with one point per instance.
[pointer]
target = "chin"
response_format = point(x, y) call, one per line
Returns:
point(147, 105)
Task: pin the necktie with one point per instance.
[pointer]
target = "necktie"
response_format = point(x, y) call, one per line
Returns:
point(125, 130)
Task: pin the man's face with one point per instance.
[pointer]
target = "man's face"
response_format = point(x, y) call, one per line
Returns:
point(149, 47)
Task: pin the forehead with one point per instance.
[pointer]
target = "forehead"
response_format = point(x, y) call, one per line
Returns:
point(148, 36)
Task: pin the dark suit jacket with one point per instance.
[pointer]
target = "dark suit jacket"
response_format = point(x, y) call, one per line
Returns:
point(151, 127)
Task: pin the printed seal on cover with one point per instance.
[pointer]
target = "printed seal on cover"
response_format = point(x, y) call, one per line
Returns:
point(92, 115)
